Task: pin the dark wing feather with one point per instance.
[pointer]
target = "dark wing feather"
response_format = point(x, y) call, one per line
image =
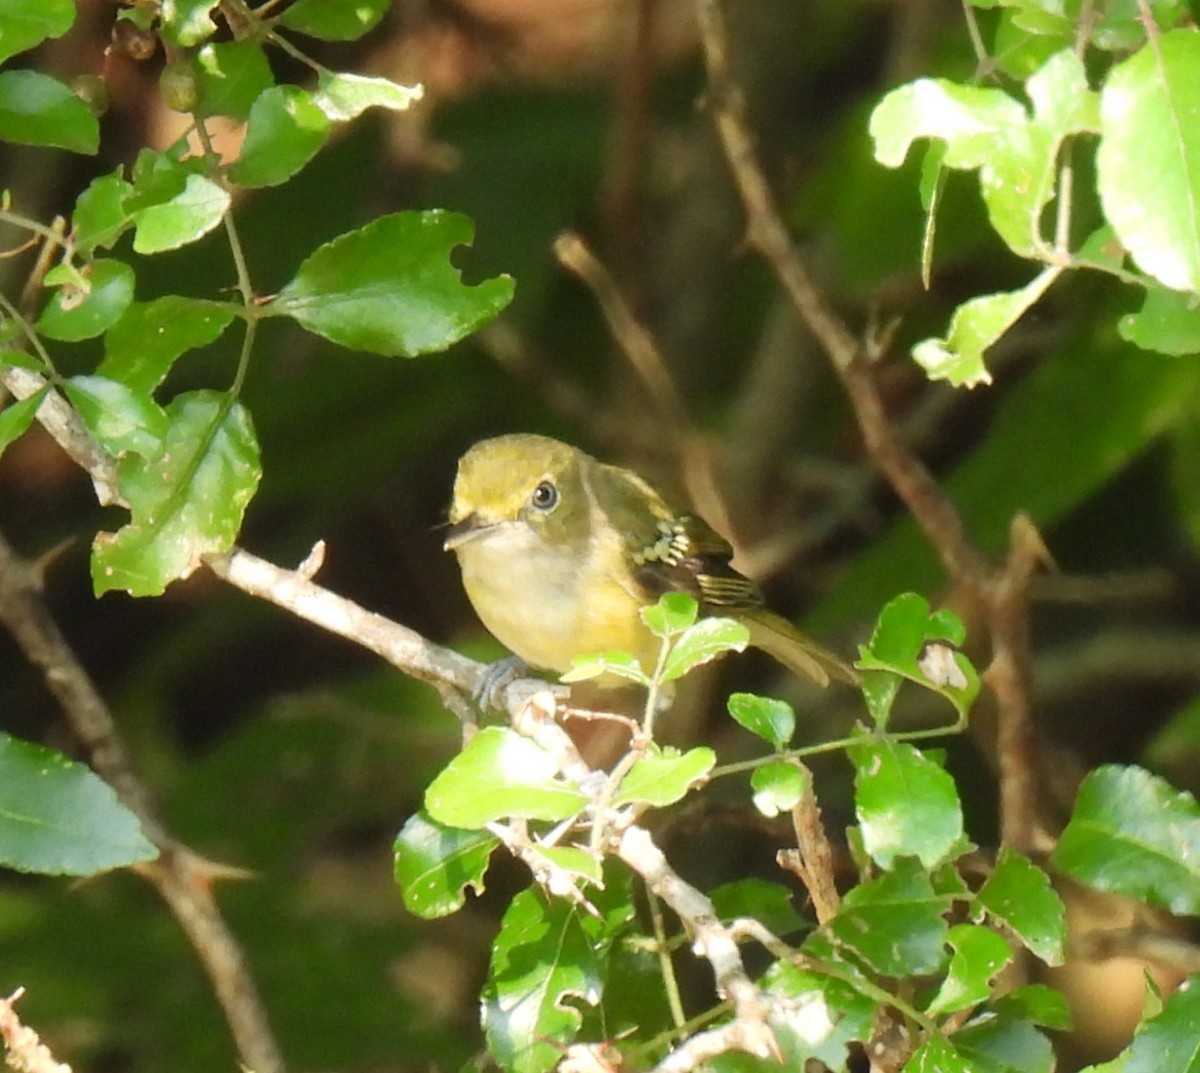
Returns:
point(670, 552)
point(689, 557)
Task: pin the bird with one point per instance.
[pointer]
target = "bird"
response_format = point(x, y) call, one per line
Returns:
point(560, 551)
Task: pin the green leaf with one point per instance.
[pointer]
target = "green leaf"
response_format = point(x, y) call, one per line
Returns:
point(816, 1017)
point(1148, 128)
point(895, 923)
point(17, 416)
point(188, 22)
point(185, 502)
point(59, 818)
point(334, 20)
point(1167, 1043)
point(674, 613)
point(910, 642)
point(968, 119)
point(937, 1055)
point(191, 214)
point(36, 109)
point(778, 787)
point(343, 97)
point(389, 288)
point(1017, 158)
point(75, 313)
point(141, 347)
point(546, 958)
point(434, 864)
point(119, 417)
point(579, 865)
point(617, 664)
point(1169, 322)
point(976, 325)
point(230, 77)
point(662, 776)
point(285, 132)
point(1133, 833)
point(1018, 895)
point(705, 641)
point(1019, 177)
point(100, 217)
point(768, 903)
point(994, 1045)
point(907, 805)
point(499, 775)
point(24, 25)
point(1037, 1003)
point(772, 720)
point(979, 954)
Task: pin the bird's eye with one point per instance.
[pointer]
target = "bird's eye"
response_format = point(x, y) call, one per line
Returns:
point(545, 496)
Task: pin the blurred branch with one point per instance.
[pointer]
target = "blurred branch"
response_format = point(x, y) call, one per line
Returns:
point(26, 1051)
point(1000, 594)
point(182, 878)
point(640, 349)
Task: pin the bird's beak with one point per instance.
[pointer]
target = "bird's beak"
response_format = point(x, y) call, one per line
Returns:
point(465, 529)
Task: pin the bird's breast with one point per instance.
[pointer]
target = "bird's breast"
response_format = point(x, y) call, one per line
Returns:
point(548, 605)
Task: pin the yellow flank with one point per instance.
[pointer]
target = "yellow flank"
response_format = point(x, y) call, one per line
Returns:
point(557, 550)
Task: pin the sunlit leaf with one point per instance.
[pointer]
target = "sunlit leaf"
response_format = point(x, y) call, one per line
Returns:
point(186, 501)
point(24, 25)
point(343, 97)
point(772, 720)
point(1169, 322)
point(189, 215)
point(907, 805)
point(141, 347)
point(76, 312)
point(36, 109)
point(674, 613)
point(17, 416)
point(895, 923)
point(706, 640)
point(1132, 833)
point(662, 776)
point(1148, 128)
point(434, 864)
point(1037, 1003)
point(1167, 1042)
point(100, 216)
point(120, 418)
point(816, 1017)
point(188, 22)
point(499, 775)
point(976, 325)
point(58, 817)
point(1018, 895)
point(285, 131)
point(230, 77)
point(979, 954)
point(333, 20)
point(778, 787)
point(389, 288)
point(548, 957)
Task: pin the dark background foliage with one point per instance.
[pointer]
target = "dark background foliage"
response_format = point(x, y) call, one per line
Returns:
point(281, 750)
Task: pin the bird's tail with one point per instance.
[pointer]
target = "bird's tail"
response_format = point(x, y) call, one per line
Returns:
point(798, 653)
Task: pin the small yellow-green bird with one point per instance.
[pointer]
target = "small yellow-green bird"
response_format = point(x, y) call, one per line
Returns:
point(560, 551)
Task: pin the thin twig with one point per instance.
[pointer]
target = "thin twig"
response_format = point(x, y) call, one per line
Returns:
point(182, 878)
point(813, 856)
point(999, 595)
